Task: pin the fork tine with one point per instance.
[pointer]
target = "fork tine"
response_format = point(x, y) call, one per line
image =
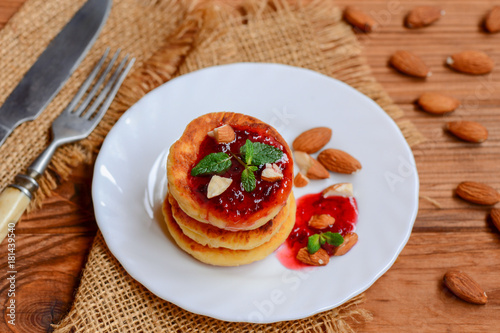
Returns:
point(87, 83)
point(115, 83)
point(104, 90)
point(97, 85)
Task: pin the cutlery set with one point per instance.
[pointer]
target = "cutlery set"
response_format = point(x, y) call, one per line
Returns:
point(40, 85)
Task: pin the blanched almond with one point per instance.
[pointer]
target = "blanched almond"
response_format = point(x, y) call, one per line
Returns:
point(321, 221)
point(320, 258)
point(310, 167)
point(340, 189)
point(349, 241)
point(222, 134)
point(300, 180)
point(272, 173)
point(217, 186)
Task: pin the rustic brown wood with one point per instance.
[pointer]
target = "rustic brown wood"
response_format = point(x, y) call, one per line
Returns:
point(52, 242)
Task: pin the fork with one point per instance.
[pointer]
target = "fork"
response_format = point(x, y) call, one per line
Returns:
point(75, 123)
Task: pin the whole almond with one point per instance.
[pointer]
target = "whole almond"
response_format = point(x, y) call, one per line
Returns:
point(359, 19)
point(436, 103)
point(309, 166)
point(312, 140)
point(423, 16)
point(478, 193)
point(321, 221)
point(464, 287)
point(495, 217)
point(470, 131)
point(319, 258)
point(471, 62)
point(492, 20)
point(410, 64)
point(349, 241)
point(338, 161)
point(300, 180)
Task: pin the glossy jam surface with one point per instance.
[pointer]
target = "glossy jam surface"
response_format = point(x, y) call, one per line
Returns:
point(344, 210)
point(235, 203)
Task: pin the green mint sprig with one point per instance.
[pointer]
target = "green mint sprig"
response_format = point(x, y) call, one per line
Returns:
point(253, 155)
point(315, 241)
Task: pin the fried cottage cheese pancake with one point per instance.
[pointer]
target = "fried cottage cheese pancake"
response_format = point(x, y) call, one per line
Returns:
point(223, 256)
point(211, 236)
point(235, 209)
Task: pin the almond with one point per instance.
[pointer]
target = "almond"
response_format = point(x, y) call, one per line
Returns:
point(468, 130)
point(300, 180)
point(338, 161)
point(359, 19)
point(222, 134)
point(321, 221)
point(410, 64)
point(436, 103)
point(319, 258)
point(340, 189)
point(492, 20)
point(423, 16)
point(464, 287)
point(312, 140)
point(217, 186)
point(272, 173)
point(478, 193)
point(471, 62)
point(310, 166)
point(495, 217)
point(349, 241)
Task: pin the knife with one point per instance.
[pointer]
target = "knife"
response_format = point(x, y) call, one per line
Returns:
point(45, 78)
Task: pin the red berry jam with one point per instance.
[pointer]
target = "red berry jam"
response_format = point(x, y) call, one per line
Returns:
point(344, 210)
point(235, 204)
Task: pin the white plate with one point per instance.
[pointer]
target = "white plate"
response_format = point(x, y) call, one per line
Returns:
point(129, 186)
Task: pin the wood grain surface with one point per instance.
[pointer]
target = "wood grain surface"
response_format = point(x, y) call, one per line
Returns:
point(52, 243)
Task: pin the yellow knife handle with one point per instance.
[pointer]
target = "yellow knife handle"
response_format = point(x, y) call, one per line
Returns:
point(14, 200)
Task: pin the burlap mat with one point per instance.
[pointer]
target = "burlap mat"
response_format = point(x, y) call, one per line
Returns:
point(170, 38)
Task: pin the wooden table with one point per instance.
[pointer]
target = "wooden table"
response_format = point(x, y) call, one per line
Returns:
point(52, 242)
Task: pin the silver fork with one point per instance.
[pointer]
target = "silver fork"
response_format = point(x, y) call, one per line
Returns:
point(76, 122)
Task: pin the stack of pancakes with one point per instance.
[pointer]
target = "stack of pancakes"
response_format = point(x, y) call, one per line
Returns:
point(206, 233)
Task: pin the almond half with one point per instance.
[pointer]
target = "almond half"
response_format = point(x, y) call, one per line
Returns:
point(471, 62)
point(478, 193)
point(410, 64)
point(217, 186)
point(495, 217)
point(492, 20)
point(300, 180)
point(340, 189)
point(349, 241)
point(310, 167)
point(436, 103)
point(423, 16)
point(321, 221)
point(319, 258)
point(470, 131)
point(359, 19)
point(312, 140)
point(222, 134)
point(271, 173)
point(338, 161)
point(464, 287)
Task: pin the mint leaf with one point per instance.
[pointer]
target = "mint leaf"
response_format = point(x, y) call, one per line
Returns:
point(252, 168)
point(212, 164)
point(313, 244)
point(332, 238)
point(248, 180)
point(248, 149)
point(261, 153)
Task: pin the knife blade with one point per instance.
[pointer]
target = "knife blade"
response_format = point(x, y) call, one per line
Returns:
point(45, 78)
